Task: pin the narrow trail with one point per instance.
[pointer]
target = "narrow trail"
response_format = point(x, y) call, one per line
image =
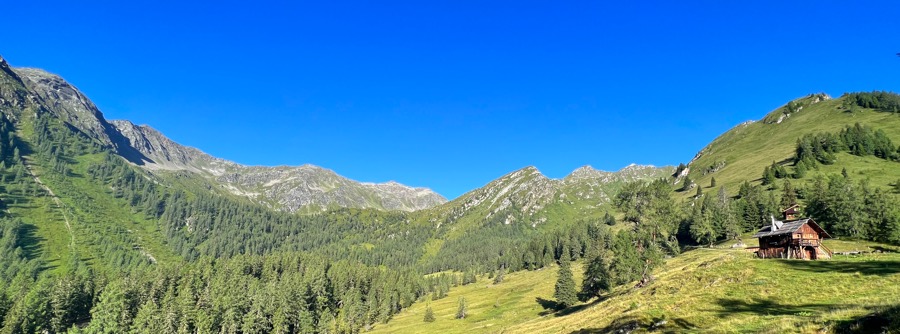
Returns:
point(55, 199)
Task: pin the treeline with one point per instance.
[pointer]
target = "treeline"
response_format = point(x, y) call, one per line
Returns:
point(205, 223)
point(512, 247)
point(845, 207)
point(631, 254)
point(879, 100)
point(278, 293)
point(857, 140)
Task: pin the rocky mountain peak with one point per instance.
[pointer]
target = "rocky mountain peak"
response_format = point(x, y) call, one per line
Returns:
point(585, 172)
point(4, 66)
point(66, 102)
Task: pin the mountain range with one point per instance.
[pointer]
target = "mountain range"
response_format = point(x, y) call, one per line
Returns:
point(305, 188)
point(110, 226)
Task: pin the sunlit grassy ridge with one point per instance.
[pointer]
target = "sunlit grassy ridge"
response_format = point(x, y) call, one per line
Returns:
point(748, 148)
point(704, 290)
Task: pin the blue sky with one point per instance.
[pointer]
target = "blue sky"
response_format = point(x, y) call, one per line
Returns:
point(451, 95)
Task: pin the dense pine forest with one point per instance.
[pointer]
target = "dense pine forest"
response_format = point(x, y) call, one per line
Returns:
point(196, 260)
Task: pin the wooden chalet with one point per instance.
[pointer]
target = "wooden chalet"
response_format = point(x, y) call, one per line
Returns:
point(792, 238)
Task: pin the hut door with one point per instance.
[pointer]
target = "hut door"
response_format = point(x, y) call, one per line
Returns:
point(810, 253)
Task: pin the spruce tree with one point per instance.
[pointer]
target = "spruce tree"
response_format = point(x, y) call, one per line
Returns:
point(565, 294)
point(686, 183)
point(788, 195)
point(462, 309)
point(498, 278)
point(712, 182)
point(768, 176)
point(800, 169)
point(429, 314)
point(610, 220)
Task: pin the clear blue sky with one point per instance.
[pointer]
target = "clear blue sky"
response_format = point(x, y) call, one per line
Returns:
point(451, 95)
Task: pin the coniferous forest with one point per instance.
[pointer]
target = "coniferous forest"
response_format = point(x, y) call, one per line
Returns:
point(166, 253)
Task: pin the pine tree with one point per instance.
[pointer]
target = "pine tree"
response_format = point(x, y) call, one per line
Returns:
point(712, 182)
point(800, 169)
point(462, 309)
point(610, 220)
point(565, 294)
point(429, 314)
point(788, 195)
point(686, 183)
point(498, 278)
point(768, 176)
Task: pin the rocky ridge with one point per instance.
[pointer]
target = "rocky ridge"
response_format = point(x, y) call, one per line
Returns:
point(283, 187)
point(526, 195)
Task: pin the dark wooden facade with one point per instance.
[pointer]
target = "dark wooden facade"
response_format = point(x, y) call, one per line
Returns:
point(792, 212)
point(793, 239)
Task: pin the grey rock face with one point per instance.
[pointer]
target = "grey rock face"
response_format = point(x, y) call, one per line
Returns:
point(287, 188)
point(66, 102)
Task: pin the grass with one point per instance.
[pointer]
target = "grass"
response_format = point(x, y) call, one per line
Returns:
point(747, 149)
point(522, 296)
point(96, 217)
point(704, 290)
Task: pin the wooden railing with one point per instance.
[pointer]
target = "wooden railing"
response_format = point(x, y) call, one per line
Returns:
point(826, 249)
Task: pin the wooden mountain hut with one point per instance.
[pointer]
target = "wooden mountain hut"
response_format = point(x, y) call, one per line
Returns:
point(793, 239)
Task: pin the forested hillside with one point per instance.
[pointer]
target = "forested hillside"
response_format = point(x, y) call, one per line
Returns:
point(92, 240)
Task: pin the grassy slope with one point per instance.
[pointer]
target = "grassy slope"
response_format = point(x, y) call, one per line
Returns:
point(705, 290)
point(492, 308)
point(748, 149)
point(96, 215)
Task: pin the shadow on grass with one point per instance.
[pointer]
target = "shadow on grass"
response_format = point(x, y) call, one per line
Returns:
point(630, 324)
point(873, 267)
point(731, 307)
point(552, 307)
point(881, 320)
point(29, 241)
point(884, 249)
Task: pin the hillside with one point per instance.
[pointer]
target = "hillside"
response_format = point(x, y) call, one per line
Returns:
point(521, 208)
point(705, 290)
point(308, 187)
point(742, 153)
point(111, 226)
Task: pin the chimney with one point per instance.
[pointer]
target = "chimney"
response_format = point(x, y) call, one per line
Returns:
point(774, 227)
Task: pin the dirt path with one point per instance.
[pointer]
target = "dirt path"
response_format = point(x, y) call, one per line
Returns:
point(55, 199)
point(62, 210)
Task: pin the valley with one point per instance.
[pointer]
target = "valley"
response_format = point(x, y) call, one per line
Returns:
point(111, 227)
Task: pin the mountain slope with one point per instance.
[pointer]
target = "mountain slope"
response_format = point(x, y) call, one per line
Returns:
point(742, 153)
point(306, 187)
point(520, 219)
point(527, 196)
point(292, 189)
point(705, 290)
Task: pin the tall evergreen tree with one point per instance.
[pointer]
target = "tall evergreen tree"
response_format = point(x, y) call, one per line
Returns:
point(564, 292)
point(462, 308)
point(429, 314)
point(788, 194)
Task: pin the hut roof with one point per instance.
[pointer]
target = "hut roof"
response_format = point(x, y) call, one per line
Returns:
point(791, 226)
